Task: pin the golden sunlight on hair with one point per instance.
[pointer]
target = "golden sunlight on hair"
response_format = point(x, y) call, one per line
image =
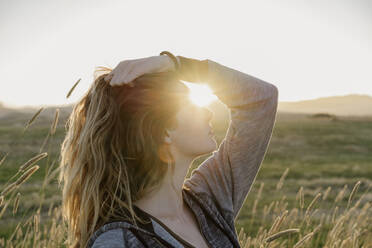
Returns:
point(200, 94)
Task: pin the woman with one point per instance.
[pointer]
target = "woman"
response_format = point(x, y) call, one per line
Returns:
point(131, 140)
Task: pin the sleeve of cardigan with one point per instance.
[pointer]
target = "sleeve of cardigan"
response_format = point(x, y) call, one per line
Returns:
point(228, 174)
point(110, 239)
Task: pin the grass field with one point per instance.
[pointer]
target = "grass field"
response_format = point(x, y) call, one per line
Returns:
point(312, 162)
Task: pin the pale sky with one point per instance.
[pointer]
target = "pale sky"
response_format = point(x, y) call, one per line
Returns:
point(308, 49)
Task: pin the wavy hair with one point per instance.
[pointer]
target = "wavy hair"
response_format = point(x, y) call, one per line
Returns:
point(113, 152)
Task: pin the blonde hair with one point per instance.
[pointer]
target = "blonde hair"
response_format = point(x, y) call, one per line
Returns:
point(113, 152)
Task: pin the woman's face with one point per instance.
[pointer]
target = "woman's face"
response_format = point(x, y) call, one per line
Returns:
point(193, 137)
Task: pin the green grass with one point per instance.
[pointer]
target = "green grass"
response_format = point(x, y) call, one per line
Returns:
point(318, 152)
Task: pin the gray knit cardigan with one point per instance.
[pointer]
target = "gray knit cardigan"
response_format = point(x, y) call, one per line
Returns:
point(217, 189)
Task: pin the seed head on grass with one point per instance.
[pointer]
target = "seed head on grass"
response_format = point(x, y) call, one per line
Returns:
point(28, 221)
point(282, 217)
point(340, 194)
point(300, 197)
point(279, 185)
point(8, 189)
point(36, 222)
point(3, 159)
point(273, 225)
point(16, 203)
point(334, 214)
point(55, 122)
point(282, 233)
point(326, 192)
point(303, 240)
point(312, 203)
point(26, 175)
point(32, 161)
point(4, 208)
point(33, 118)
point(45, 142)
point(355, 189)
point(72, 89)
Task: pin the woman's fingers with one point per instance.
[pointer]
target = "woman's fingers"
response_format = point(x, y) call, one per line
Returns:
point(108, 77)
point(126, 75)
point(118, 76)
point(128, 70)
point(116, 80)
point(125, 67)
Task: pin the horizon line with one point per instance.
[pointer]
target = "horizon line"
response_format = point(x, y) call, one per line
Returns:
point(10, 106)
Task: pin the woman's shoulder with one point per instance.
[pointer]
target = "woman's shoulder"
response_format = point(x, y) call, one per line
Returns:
point(115, 235)
point(109, 238)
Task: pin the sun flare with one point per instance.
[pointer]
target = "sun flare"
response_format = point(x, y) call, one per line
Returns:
point(200, 94)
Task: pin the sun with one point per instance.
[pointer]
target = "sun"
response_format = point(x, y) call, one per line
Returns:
point(200, 94)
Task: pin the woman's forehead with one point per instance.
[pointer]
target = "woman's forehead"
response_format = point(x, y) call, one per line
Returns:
point(180, 87)
point(182, 91)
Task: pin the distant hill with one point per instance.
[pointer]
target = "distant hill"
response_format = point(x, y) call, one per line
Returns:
point(348, 105)
point(20, 116)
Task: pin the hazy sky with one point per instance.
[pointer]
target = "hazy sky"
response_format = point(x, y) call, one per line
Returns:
point(308, 49)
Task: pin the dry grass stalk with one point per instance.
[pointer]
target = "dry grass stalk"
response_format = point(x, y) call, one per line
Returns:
point(282, 233)
point(45, 142)
point(1, 199)
point(355, 189)
point(312, 203)
point(317, 228)
point(254, 207)
point(4, 208)
point(292, 217)
point(32, 161)
point(36, 222)
point(16, 203)
point(51, 176)
point(28, 221)
point(260, 190)
point(50, 208)
point(340, 195)
point(362, 213)
point(3, 159)
point(334, 214)
point(55, 122)
point(300, 197)
point(273, 225)
point(19, 234)
point(268, 209)
point(14, 232)
point(72, 89)
point(279, 185)
point(303, 240)
point(8, 189)
point(248, 242)
point(284, 215)
point(27, 175)
point(241, 233)
point(33, 118)
point(346, 243)
point(337, 227)
point(326, 192)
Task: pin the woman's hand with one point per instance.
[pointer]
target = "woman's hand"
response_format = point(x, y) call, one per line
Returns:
point(128, 70)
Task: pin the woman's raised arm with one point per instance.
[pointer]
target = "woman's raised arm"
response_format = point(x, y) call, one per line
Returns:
point(228, 174)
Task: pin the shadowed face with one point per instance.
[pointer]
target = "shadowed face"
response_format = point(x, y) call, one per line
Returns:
point(192, 137)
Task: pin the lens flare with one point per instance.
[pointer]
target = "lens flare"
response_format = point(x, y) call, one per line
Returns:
point(200, 94)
